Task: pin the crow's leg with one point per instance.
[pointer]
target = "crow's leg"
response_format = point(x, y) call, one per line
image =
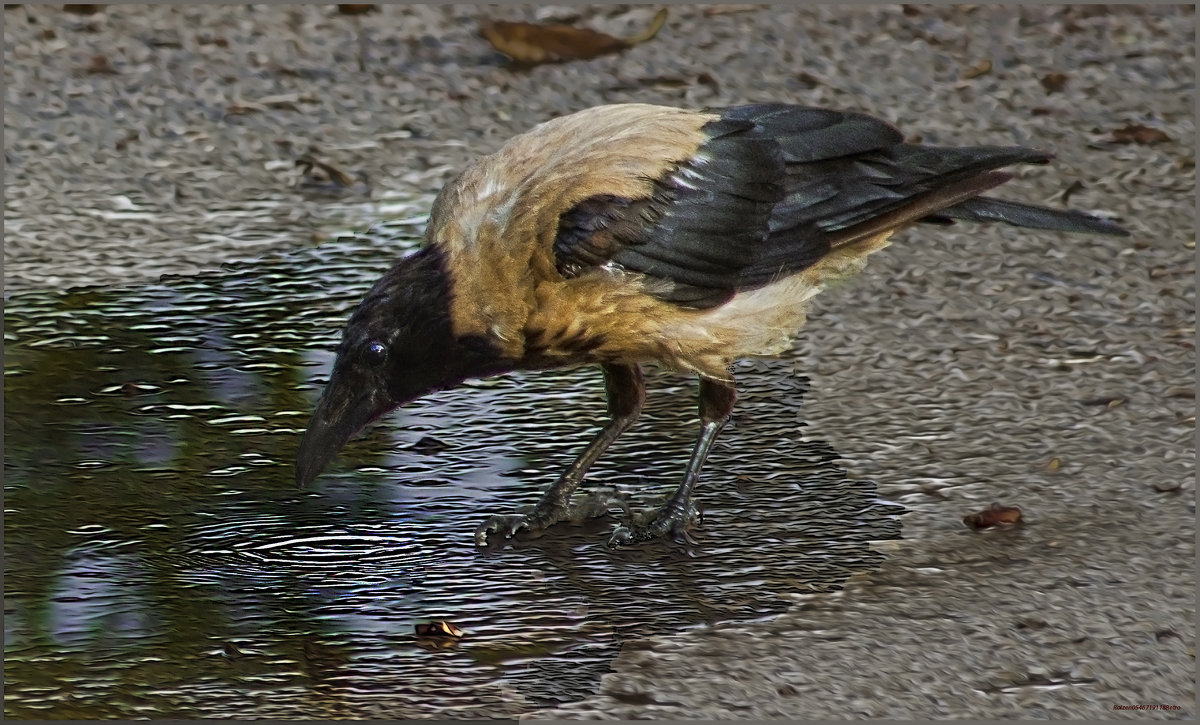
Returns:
point(626, 389)
point(716, 404)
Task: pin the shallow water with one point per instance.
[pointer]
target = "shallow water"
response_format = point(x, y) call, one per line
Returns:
point(160, 562)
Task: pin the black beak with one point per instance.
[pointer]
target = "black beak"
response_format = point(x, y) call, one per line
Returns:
point(342, 412)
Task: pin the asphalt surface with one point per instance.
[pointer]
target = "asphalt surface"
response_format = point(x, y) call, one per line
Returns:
point(966, 366)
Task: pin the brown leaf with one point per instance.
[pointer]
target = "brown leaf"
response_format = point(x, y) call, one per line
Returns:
point(534, 43)
point(242, 108)
point(983, 67)
point(353, 9)
point(82, 9)
point(712, 10)
point(286, 101)
point(123, 142)
point(438, 629)
point(1054, 82)
point(1137, 133)
point(1174, 270)
point(99, 65)
point(994, 515)
point(1108, 401)
point(323, 178)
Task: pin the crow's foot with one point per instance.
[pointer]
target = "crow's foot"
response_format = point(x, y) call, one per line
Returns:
point(543, 516)
point(671, 520)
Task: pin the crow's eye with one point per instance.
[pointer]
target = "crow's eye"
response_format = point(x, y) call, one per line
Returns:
point(376, 353)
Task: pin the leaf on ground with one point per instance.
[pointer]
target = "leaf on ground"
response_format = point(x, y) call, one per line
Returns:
point(534, 43)
point(438, 630)
point(355, 9)
point(100, 65)
point(1054, 82)
point(983, 67)
point(713, 10)
point(1139, 134)
point(994, 515)
point(323, 178)
point(1108, 401)
point(284, 101)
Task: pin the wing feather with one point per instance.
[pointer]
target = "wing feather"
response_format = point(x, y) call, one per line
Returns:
point(775, 187)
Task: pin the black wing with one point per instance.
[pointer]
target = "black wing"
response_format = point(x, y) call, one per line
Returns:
point(776, 187)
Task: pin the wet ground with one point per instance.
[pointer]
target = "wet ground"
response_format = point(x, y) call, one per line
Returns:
point(161, 563)
point(967, 365)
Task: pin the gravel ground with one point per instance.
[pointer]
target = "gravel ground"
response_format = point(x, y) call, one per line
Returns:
point(966, 366)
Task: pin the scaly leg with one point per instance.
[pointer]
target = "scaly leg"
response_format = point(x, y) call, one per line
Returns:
point(716, 404)
point(626, 390)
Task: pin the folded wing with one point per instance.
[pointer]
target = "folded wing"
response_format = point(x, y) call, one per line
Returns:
point(777, 187)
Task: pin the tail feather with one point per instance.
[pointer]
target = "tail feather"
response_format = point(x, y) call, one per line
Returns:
point(988, 209)
point(918, 207)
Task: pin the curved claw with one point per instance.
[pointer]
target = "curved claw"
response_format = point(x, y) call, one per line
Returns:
point(621, 536)
point(505, 524)
point(543, 516)
point(668, 521)
point(624, 535)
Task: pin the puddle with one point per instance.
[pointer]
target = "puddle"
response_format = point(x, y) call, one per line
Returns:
point(160, 563)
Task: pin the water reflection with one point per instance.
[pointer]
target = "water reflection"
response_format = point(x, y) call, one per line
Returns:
point(160, 563)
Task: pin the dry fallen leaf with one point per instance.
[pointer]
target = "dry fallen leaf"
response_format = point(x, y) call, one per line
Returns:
point(1054, 82)
point(331, 173)
point(1137, 133)
point(323, 178)
point(352, 9)
point(712, 10)
point(129, 137)
point(994, 515)
point(983, 67)
point(1108, 401)
point(533, 43)
point(438, 630)
point(285, 101)
point(82, 9)
point(99, 65)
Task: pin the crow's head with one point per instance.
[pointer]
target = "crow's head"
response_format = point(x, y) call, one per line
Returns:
point(398, 346)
